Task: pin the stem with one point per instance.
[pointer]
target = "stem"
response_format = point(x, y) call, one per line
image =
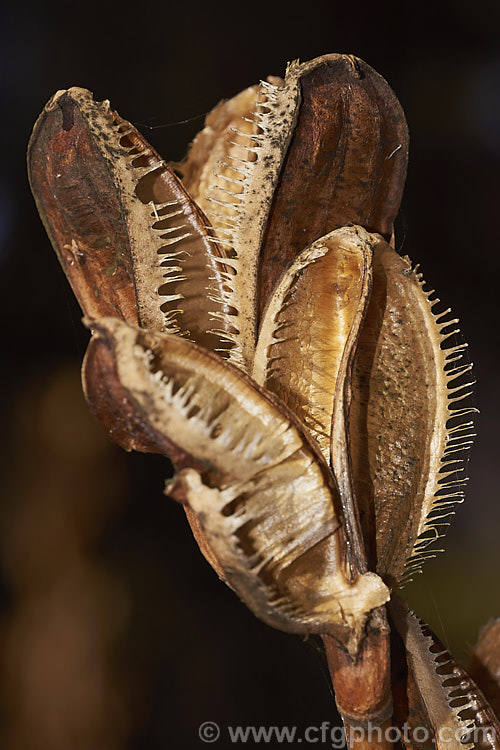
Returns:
point(362, 685)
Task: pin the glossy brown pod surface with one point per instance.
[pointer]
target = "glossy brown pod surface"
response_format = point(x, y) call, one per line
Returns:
point(346, 163)
point(130, 239)
point(78, 201)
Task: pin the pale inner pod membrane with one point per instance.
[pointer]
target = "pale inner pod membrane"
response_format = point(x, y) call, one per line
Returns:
point(216, 172)
point(406, 427)
point(310, 325)
point(216, 147)
point(306, 343)
point(266, 502)
point(232, 171)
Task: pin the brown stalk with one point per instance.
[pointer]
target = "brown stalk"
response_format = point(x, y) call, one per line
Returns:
point(362, 684)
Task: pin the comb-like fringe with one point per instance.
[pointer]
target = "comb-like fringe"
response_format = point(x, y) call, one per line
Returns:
point(165, 240)
point(477, 709)
point(459, 698)
point(464, 697)
point(457, 687)
point(240, 194)
point(258, 568)
point(456, 433)
point(164, 247)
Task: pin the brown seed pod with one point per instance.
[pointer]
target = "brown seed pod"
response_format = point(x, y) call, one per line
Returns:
point(262, 493)
point(440, 692)
point(364, 359)
point(407, 427)
point(178, 274)
point(130, 239)
point(295, 368)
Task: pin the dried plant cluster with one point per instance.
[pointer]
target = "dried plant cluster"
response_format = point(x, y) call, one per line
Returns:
point(252, 320)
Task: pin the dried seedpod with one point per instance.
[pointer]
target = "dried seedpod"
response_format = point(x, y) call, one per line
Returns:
point(256, 467)
point(409, 422)
point(254, 322)
point(443, 699)
point(118, 216)
point(184, 273)
point(351, 342)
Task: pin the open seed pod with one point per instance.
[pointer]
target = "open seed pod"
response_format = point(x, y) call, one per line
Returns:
point(137, 246)
point(284, 163)
point(265, 499)
point(130, 239)
point(434, 698)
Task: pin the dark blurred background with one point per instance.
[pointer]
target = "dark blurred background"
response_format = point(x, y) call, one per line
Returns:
point(114, 632)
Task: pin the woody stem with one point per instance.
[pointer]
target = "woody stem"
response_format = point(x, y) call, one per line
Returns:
point(362, 684)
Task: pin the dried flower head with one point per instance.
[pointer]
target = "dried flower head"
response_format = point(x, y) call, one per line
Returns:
point(253, 321)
